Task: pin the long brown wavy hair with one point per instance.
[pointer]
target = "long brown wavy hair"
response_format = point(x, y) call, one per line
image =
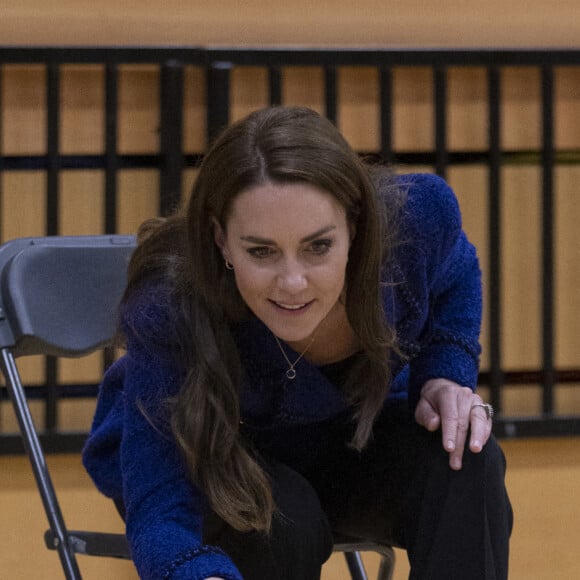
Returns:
point(279, 145)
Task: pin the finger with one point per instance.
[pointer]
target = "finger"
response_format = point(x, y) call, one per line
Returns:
point(449, 422)
point(426, 416)
point(480, 428)
point(464, 402)
point(455, 419)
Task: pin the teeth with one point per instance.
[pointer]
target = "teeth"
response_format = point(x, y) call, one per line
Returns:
point(291, 306)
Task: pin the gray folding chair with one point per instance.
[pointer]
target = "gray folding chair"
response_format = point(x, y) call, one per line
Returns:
point(59, 297)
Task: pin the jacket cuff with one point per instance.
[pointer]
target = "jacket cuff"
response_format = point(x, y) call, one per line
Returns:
point(201, 563)
point(439, 361)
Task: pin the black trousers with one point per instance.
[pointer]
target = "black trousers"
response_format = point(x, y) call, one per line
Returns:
point(454, 525)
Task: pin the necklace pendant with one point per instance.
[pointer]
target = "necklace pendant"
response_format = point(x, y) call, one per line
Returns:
point(291, 374)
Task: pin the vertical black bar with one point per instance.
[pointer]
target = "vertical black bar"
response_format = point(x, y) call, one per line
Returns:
point(386, 113)
point(548, 237)
point(52, 219)
point(111, 157)
point(275, 85)
point(52, 146)
point(330, 93)
point(496, 377)
point(1, 147)
point(1, 181)
point(171, 139)
point(111, 165)
point(440, 94)
point(218, 98)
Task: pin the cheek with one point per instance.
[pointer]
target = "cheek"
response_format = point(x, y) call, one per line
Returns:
point(340, 266)
point(332, 278)
point(252, 281)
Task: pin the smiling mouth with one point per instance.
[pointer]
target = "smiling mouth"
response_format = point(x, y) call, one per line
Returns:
point(292, 307)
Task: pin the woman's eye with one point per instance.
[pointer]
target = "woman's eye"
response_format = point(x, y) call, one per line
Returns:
point(320, 247)
point(260, 252)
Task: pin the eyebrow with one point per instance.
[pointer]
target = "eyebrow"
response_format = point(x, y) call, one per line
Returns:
point(268, 242)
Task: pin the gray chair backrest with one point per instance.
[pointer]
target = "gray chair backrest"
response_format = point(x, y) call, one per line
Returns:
point(59, 294)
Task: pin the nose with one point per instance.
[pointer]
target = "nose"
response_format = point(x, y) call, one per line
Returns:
point(292, 277)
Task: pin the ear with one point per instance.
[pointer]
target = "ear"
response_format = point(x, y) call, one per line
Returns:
point(219, 236)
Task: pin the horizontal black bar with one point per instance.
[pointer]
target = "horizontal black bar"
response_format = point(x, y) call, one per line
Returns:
point(69, 391)
point(529, 377)
point(153, 161)
point(551, 426)
point(11, 444)
point(40, 162)
point(304, 56)
point(101, 55)
point(298, 56)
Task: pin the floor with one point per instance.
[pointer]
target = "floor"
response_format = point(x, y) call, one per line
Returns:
point(543, 480)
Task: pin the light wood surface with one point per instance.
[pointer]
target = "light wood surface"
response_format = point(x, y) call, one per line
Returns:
point(258, 22)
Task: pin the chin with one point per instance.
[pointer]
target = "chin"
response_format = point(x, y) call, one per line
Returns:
point(293, 335)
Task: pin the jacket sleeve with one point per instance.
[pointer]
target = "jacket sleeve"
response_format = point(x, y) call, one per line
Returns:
point(163, 507)
point(449, 343)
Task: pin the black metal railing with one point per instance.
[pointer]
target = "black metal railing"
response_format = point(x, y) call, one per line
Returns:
point(218, 66)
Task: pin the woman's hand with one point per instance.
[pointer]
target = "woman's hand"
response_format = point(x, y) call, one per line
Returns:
point(449, 406)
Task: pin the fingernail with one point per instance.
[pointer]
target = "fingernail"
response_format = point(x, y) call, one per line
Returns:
point(476, 445)
point(456, 463)
point(450, 445)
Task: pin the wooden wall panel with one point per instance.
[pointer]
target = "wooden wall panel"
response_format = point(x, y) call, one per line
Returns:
point(567, 114)
point(358, 107)
point(194, 125)
point(467, 109)
point(23, 110)
point(263, 22)
point(138, 198)
point(23, 204)
point(138, 109)
point(81, 202)
point(82, 123)
point(521, 111)
point(521, 275)
point(567, 265)
point(304, 86)
point(249, 91)
point(413, 124)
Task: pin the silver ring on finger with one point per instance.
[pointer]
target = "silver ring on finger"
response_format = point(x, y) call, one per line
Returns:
point(487, 407)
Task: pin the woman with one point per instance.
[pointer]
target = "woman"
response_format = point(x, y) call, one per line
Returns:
point(302, 353)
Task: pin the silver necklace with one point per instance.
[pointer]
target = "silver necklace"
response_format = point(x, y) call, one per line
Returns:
point(291, 372)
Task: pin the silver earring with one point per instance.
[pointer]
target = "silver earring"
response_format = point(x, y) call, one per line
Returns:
point(228, 265)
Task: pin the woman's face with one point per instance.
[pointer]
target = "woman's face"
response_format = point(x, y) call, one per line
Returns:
point(289, 248)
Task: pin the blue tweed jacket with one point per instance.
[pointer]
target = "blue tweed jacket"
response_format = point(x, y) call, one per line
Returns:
point(435, 304)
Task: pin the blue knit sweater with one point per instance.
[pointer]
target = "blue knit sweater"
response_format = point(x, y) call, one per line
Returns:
point(435, 303)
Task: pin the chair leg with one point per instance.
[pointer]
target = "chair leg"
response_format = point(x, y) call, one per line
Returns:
point(387, 566)
point(355, 565)
point(39, 467)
